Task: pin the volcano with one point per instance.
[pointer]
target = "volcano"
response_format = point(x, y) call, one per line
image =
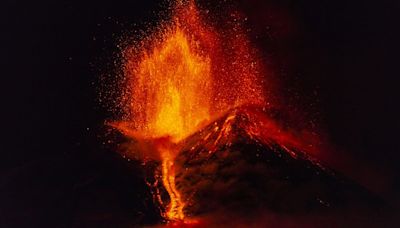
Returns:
point(237, 166)
point(234, 164)
point(196, 104)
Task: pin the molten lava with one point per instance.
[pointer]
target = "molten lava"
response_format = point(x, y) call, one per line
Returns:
point(195, 105)
point(180, 78)
point(175, 208)
point(172, 88)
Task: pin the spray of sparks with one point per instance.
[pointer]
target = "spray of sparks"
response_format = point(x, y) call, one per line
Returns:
point(181, 78)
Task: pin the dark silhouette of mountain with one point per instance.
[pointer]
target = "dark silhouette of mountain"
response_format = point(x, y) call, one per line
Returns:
point(240, 170)
point(241, 165)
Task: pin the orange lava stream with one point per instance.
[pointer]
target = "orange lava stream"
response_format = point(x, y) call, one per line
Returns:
point(175, 208)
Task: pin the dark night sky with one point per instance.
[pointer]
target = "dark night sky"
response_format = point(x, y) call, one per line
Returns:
point(53, 52)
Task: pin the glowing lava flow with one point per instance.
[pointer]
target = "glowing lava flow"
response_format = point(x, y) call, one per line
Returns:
point(175, 208)
point(180, 78)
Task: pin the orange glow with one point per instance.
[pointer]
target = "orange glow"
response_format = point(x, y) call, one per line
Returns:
point(180, 78)
point(175, 208)
point(167, 85)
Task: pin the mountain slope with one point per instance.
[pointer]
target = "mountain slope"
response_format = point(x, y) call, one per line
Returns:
point(243, 164)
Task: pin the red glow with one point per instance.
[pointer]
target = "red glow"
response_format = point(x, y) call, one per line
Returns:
point(182, 78)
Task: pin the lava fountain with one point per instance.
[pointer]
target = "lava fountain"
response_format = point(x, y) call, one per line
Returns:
point(179, 79)
point(197, 112)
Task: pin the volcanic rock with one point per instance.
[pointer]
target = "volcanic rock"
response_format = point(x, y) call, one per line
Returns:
point(238, 166)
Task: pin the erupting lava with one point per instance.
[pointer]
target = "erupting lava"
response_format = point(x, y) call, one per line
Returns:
point(172, 88)
point(180, 78)
point(196, 112)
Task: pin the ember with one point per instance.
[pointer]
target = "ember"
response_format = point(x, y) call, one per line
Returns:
point(181, 78)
